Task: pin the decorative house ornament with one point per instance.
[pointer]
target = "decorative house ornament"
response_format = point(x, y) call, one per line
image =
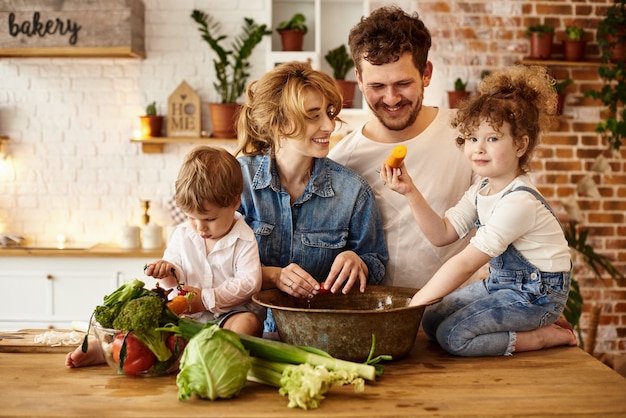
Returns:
point(183, 112)
point(53, 28)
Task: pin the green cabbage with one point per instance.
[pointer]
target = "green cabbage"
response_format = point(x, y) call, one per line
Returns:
point(214, 365)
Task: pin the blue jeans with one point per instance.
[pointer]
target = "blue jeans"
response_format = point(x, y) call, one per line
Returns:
point(482, 319)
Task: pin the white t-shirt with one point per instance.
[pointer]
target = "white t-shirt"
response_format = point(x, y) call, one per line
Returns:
point(439, 171)
point(228, 276)
point(518, 218)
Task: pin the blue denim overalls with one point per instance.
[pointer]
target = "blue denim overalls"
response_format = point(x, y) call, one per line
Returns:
point(482, 319)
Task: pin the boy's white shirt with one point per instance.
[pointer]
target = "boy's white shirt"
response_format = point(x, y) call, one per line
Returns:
point(518, 218)
point(228, 276)
point(440, 172)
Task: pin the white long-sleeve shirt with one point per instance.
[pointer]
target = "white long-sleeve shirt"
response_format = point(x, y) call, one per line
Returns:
point(441, 173)
point(517, 218)
point(228, 276)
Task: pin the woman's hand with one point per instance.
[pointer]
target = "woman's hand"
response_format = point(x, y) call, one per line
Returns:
point(292, 279)
point(347, 268)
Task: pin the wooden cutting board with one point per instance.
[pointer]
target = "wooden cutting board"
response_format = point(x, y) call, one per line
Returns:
point(27, 343)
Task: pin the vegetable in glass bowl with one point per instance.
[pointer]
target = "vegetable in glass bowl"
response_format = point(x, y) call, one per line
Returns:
point(138, 359)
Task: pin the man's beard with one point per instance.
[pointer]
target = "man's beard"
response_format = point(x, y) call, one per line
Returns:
point(398, 125)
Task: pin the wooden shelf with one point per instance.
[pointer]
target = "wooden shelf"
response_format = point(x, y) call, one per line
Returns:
point(156, 145)
point(562, 63)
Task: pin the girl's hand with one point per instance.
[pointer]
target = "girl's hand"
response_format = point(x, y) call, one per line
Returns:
point(295, 281)
point(397, 179)
point(347, 270)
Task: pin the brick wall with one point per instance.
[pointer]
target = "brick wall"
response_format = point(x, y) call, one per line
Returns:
point(472, 36)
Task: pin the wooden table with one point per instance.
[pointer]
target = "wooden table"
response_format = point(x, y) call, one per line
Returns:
point(563, 381)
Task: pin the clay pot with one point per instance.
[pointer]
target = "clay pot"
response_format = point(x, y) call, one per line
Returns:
point(541, 45)
point(347, 88)
point(618, 51)
point(455, 97)
point(224, 119)
point(574, 50)
point(291, 40)
point(151, 126)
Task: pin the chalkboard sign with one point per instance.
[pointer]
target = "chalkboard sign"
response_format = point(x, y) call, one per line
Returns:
point(52, 28)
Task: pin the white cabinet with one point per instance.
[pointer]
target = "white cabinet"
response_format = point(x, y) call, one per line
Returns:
point(49, 292)
point(329, 22)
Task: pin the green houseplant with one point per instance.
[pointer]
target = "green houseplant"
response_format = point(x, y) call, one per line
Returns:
point(459, 93)
point(611, 37)
point(541, 39)
point(597, 263)
point(574, 43)
point(341, 62)
point(231, 67)
point(151, 123)
point(292, 32)
point(560, 87)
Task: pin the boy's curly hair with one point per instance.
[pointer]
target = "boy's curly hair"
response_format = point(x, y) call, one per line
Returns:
point(522, 96)
point(208, 175)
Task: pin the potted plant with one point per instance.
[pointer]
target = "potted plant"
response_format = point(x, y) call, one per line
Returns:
point(292, 32)
point(574, 43)
point(341, 62)
point(459, 93)
point(541, 39)
point(611, 39)
point(151, 123)
point(231, 68)
point(612, 32)
point(560, 86)
point(597, 263)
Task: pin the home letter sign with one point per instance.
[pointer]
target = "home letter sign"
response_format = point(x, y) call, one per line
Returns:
point(183, 112)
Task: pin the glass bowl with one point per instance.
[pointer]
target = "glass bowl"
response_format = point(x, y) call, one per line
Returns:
point(106, 338)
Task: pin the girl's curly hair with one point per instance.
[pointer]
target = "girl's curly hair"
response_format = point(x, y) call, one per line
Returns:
point(522, 96)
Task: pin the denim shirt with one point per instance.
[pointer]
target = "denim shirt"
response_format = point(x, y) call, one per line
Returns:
point(337, 212)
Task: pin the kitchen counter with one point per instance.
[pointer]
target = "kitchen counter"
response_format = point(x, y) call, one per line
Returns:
point(96, 251)
point(562, 381)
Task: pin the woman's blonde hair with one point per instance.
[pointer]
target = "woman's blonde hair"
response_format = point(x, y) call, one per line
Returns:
point(276, 107)
point(208, 175)
point(522, 96)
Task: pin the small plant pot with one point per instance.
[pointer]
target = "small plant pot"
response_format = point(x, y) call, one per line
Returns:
point(291, 40)
point(617, 51)
point(574, 50)
point(224, 119)
point(541, 45)
point(151, 126)
point(456, 97)
point(347, 88)
point(560, 103)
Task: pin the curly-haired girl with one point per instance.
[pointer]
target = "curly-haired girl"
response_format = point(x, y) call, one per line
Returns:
point(519, 305)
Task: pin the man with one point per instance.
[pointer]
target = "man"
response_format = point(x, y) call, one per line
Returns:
point(390, 51)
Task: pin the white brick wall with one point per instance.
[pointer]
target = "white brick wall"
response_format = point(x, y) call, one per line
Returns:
point(73, 169)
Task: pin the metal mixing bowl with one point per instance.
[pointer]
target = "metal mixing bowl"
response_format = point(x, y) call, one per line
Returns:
point(342, 325)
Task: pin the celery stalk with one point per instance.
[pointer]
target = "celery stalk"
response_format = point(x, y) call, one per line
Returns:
point(280, 352)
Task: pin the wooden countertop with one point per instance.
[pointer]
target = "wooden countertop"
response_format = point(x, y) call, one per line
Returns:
point(562, 381)
point(97, 251)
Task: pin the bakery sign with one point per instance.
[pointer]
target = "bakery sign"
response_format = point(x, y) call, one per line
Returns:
point(72, 28)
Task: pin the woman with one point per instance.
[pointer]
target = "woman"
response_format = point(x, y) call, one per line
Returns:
point(315, 221)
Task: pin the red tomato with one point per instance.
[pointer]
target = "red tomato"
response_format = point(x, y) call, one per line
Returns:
point(323, 289)
point(139, 358)
point(176, 344)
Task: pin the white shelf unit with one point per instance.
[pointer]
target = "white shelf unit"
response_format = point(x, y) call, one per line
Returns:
point(329, 23)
